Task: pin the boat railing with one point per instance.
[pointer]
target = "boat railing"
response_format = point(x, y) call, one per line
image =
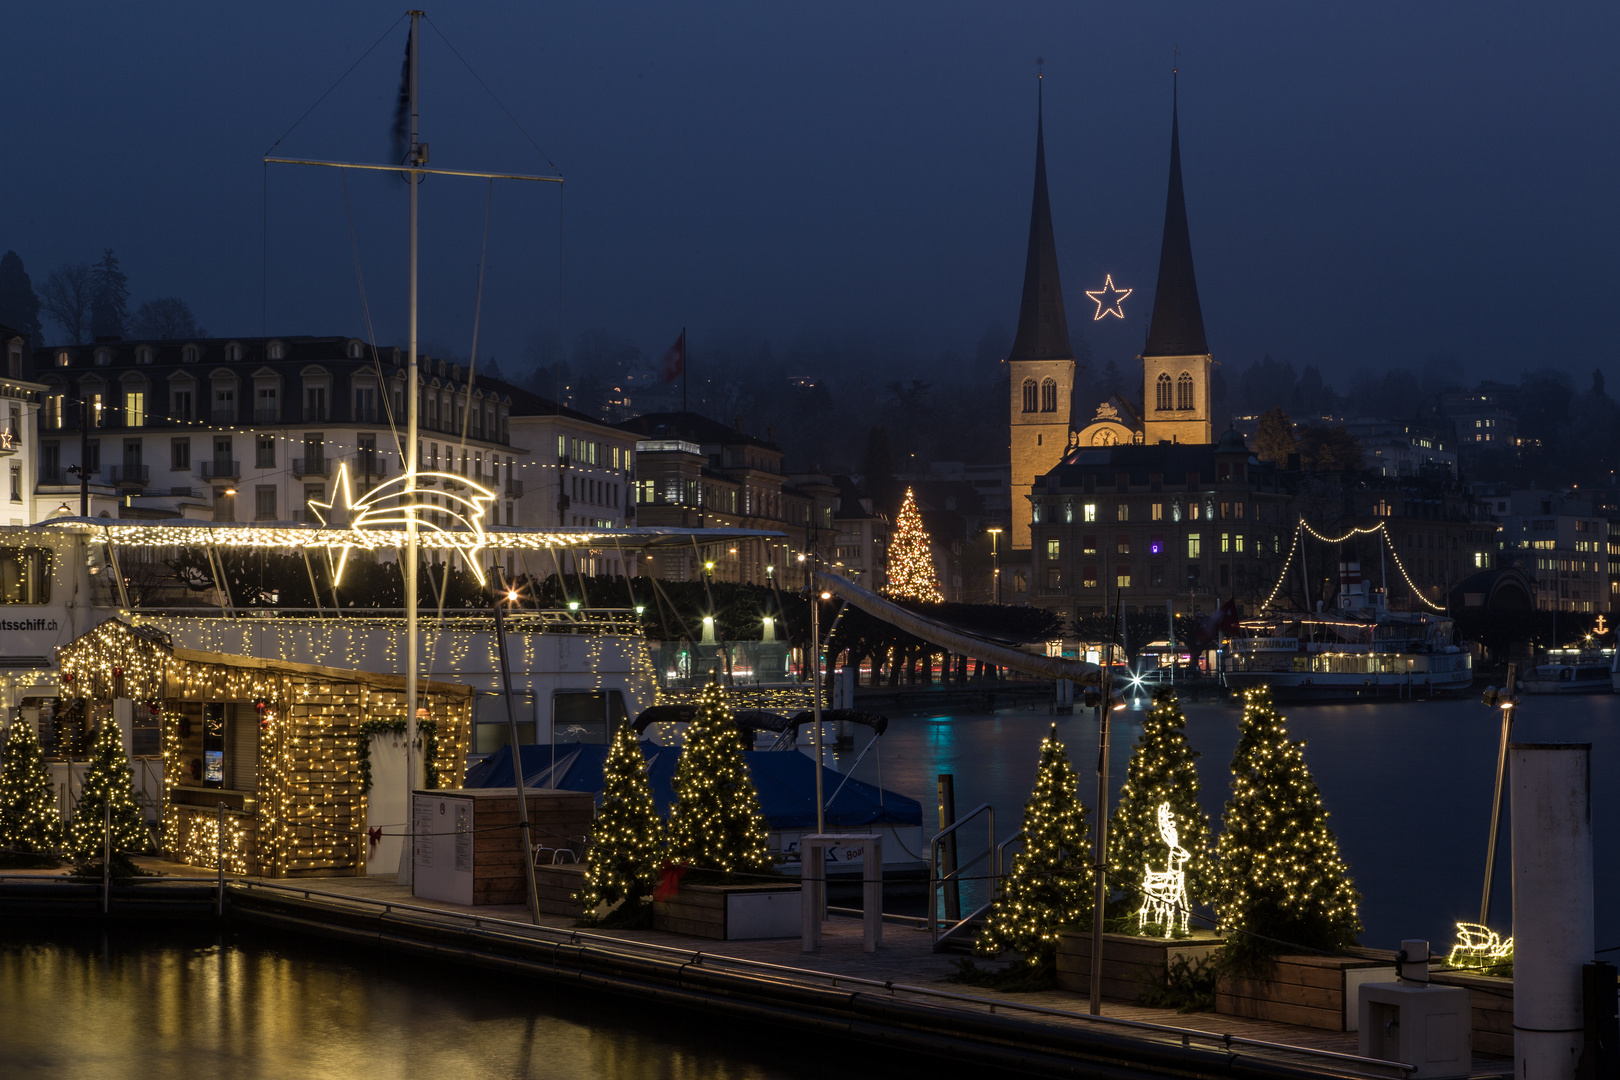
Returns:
point(546, 620)
point(946, 886)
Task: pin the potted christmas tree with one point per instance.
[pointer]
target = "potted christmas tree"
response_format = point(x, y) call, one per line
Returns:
point(627, 841)
point(106, 815)
point(719, 879)
point(1050, 885)
point(30, 825)
point(1281, 882)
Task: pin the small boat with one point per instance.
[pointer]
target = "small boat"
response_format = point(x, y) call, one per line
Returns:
point(1584, 673)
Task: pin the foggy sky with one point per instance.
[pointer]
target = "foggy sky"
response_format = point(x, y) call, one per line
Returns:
point(1367, 184)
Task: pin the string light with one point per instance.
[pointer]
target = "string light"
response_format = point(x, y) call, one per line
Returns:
point(1282, 576)
point(1164, 892)
point(911, 561)
point(1279, 871)
point(1162, 772)
point(106, 786)
point(1108, 299)
point(397, 502)
point(716, 822)
point(627, 839)
point(1479, 946)
point(1050, 885)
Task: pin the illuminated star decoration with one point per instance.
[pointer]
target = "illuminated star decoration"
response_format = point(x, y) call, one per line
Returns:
point(390, 504)
point(1105, 305)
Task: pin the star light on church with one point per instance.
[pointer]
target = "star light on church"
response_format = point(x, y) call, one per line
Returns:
point(1108, 299)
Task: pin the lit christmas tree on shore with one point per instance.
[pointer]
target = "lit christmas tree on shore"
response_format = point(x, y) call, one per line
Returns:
point(717, 823)
point(28, 817)
point(1162, 770)
point(107, 781)
point(1051, 881)
point(1280, 873)
point(911, 563)
point(627, 842)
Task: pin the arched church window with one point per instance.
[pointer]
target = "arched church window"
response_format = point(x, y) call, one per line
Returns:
point(1162, 393)
point(1029, 396)
point(1048, 395)
point(1184, 391)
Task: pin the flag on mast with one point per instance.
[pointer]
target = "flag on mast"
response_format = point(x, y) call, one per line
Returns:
point(673, 364)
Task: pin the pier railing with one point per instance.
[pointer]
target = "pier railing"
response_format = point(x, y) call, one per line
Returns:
point(944, 884)
point(1186, 1036)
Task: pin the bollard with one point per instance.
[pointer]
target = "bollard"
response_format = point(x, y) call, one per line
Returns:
point(106, 855)
point(1553, 932)
point(219, 864)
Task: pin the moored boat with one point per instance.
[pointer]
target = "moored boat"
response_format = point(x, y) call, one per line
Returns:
point(1576, 673)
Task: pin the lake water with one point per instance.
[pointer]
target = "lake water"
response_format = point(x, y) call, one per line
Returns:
point(143, 1002)
point(1408, 785)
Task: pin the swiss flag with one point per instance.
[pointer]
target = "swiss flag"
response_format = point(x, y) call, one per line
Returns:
point(673, 364)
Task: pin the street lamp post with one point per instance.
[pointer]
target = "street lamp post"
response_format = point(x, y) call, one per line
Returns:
point(995, 567)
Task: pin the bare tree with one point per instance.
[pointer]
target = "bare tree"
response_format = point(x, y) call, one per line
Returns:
point(167, 318)
point(65, 297)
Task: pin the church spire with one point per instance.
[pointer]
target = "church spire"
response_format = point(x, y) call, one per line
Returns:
point(1043, 327)
point(1177, 328)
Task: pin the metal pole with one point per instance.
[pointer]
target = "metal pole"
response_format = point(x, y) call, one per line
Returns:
point(84, 457)
point(1496, 799)
point(106, 853)
point(219, 864)
point(1100, 840)
point(408, 856)
point(517, 762)
point(947, 817)
point(815, 701)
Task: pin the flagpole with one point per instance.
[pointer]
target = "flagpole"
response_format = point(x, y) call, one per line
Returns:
point(685, 363)
point(408, 859)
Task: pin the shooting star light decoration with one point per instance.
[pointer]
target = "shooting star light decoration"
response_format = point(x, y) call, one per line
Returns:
point(1108, 299)
point(391, 503)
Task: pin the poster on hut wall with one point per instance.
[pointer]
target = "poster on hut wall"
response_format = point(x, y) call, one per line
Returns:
point(444, 851)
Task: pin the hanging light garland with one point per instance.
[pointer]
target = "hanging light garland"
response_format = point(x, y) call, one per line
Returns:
point(1303, 527)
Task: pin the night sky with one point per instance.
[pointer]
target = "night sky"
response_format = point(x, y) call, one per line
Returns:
point(1367, 185)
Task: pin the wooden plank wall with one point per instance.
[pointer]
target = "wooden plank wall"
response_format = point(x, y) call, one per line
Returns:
point(555, 886)
point(498, 863)
point(1304, 990)
point(1132, 966)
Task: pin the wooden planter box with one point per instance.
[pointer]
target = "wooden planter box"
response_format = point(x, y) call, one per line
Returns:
point(555, 886)
point(1308, 991)
point(1132, 966)
point(1490, 1000)
point(731, 912)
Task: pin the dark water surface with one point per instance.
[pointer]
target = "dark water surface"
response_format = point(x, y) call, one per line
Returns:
point(1408, 785)
point(146, 1003)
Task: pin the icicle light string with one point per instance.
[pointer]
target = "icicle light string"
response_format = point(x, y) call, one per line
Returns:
point(1303, 526)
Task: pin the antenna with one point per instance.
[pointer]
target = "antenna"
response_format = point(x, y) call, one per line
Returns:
point(1040, 66)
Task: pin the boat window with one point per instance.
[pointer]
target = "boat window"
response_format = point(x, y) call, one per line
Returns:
point(490, 728)
point(25, 575)
point(586, 716)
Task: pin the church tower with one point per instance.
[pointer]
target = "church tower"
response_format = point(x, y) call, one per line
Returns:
point(1176, 361)
point(1041, 363)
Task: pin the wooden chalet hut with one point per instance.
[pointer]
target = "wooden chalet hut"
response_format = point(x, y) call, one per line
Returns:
point(283, 746)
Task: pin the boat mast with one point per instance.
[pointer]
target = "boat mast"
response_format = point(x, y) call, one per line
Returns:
point(412, 646)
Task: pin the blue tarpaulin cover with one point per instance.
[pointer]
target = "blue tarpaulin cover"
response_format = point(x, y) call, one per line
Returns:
point(786, 780)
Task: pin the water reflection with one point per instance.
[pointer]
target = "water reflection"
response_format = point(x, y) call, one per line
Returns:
point(83, 1007)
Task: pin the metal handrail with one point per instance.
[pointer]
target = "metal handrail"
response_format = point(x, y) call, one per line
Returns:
point(935, 882)
point(1001, 859)
point(699, 958)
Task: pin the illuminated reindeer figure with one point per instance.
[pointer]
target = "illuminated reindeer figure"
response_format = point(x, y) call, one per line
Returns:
point(1166, 890)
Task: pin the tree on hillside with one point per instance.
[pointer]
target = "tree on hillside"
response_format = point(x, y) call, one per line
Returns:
point(1329, 449)
point(877, 466)
point(19, 305)
point(167, 318)
point(1274, 439)
point(65, 298)
point(109, 297)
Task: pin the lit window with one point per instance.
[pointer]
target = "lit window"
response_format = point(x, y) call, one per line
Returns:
point(1088, 544)
point(1052, 549)
point(1124, 512)
point(1195, 548)
point(1090, 512)
point(1158, 511)
point(135, 409)
point(1156, 545)
point(1122, 578)
point(1088, 577)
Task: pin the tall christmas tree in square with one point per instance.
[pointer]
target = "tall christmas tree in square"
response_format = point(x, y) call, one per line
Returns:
point(717, 823)
point(911, 562)
point(1051, 880)
point(1280, 874)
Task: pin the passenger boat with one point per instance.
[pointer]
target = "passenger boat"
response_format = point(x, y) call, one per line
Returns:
point(1360, 649)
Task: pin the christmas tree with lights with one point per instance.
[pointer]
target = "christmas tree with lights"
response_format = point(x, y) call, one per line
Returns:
point(627, 841)
point(106, 783)
point(1279, 874)
point(28, 817)
point(717, 824)
point(1162, 771)
point(911, 563)
point(1051, 881)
